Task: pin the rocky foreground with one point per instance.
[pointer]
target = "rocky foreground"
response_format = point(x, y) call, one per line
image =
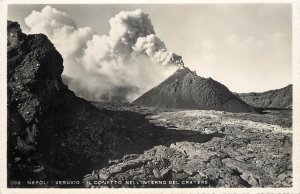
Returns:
point(198, 148)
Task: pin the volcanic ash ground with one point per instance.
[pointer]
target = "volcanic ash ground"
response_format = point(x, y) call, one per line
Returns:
point(204, 148)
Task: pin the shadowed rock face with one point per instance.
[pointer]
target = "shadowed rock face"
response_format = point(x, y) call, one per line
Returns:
point(48, 126)
point(185, 90)
point(280, 98)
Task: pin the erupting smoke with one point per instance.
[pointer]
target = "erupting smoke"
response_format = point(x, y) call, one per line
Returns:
point(119, 66)
point(157, 51)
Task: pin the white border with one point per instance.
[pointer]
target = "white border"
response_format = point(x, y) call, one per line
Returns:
point(296, 104)
point(141, 1)
point(296, 95)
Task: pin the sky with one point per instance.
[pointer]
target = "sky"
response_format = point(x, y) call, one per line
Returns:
point(246, 47)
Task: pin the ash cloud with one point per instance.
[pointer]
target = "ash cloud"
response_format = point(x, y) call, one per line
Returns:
point(122, 65)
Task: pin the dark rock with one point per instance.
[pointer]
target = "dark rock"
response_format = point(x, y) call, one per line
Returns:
point(39, 169)
point(17, 159)
point(42, 113)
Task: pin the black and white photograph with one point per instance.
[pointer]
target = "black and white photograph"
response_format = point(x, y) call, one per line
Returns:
point(149, 95)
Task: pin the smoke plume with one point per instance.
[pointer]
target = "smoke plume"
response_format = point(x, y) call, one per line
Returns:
point(122, 65)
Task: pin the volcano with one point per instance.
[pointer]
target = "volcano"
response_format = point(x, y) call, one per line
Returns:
point(186, 90)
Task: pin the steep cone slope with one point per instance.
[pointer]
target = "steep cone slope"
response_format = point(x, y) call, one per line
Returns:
point(48, 126)
point(280, 98)
point(185, 90)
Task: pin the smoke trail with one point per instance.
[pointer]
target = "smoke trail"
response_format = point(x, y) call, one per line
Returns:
point(121, 65)
point(157, 51)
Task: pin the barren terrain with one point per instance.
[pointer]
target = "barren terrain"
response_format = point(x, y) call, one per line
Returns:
point(197, 148)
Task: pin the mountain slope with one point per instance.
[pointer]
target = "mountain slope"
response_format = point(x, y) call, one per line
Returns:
point(50, 130)
point(185, 90)
point(280, 98)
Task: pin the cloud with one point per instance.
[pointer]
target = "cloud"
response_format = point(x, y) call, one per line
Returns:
point(130, 58)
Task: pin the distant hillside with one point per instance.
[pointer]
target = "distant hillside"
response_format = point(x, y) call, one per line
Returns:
point(94, 93)
point(186, 90)
point(280, 98)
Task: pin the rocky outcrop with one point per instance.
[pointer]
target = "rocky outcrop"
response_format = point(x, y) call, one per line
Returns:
point(50, 130)
point(280, 98)
point(185, 90)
